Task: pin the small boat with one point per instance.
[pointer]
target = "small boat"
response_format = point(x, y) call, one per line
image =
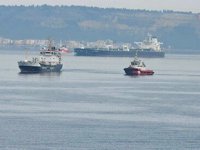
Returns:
point(137, 67)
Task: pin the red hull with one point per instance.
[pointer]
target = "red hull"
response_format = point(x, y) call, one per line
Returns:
point(137, 71)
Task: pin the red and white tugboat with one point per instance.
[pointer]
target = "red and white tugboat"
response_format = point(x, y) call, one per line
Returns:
point(137, 67)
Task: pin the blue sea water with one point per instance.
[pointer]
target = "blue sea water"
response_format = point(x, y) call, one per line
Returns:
point(92, 105)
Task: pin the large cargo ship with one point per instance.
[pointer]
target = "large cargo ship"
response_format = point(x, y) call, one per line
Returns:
point(48, 61)
point(150, 47)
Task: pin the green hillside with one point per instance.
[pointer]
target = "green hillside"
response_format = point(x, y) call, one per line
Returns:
point(180, 30)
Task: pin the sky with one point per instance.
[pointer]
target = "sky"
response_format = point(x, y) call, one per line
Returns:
point(176, 5)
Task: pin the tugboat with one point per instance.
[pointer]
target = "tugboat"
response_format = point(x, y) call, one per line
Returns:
point(137, 67)
point(48, 61)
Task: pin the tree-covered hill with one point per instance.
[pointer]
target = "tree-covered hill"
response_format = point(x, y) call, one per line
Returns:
point(180, 30)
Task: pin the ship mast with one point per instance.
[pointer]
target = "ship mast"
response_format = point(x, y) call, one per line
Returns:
point(49, 44)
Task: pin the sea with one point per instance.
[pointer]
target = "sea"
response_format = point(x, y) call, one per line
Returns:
point(93, 105)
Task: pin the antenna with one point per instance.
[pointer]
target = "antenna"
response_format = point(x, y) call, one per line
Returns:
point(136, 54)
point(26, 53)
point(50, 44)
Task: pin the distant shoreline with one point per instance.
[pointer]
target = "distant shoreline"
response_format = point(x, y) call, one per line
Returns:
point(33, 49)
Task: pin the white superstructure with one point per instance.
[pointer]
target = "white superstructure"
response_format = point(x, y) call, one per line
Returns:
point(150, 43)
point(50, 57)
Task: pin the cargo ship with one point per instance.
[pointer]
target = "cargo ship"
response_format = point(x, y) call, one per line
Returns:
point(150, 48)
point(49, 60)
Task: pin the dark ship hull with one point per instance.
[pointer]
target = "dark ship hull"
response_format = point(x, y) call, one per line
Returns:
point(50, 68)
point(30, 69)
point(40, 69)
point(118, 53)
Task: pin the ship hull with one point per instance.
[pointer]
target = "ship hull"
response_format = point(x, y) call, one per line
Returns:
point(134, 72)
point(118, 53)
point(50, 68)
point(40, 69)
point(30, 69)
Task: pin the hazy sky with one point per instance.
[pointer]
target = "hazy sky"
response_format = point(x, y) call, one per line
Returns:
point(179, 5)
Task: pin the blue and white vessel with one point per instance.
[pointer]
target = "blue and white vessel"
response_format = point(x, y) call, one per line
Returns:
point(49, 60)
